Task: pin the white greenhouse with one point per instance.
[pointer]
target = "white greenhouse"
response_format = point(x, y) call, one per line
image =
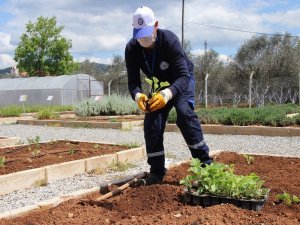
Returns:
point(60, 90)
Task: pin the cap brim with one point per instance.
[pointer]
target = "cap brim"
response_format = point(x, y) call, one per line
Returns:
point(143, 32)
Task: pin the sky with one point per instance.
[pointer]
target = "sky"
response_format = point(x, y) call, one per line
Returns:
point(100, 29)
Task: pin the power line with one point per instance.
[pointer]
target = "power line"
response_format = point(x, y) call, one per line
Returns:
point(237, 30)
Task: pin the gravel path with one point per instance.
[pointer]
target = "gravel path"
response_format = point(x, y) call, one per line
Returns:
point(175, 149)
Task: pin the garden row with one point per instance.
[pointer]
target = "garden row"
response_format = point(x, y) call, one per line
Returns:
point(24, 166)
point(271, 115)
point(165, 203)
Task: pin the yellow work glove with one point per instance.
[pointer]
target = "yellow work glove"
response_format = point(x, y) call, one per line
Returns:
point(141, 100)
point(160, 99)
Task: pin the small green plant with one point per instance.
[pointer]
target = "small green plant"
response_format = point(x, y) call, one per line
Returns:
point(96, 146)
point(249, 159)
point(219, 179)
point(47, 114)
point(40, 183)
point(71, 151)
point(36, 142)
point(2, 161)
point(156, 85)
point(113, 120)
point(97, 171)
point(287, 198)
point(131, 145)
point(120, 166)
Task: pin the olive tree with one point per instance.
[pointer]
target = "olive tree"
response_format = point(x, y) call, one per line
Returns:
point(274, 62)
point(42, 49)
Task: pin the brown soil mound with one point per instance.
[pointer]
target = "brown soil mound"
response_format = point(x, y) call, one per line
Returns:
point(163, 204)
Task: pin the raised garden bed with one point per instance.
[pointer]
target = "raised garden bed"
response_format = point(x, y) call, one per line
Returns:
point(164, 203)
point(9, 141)
point(113, 122)
point(244, 130)
point(27, 164)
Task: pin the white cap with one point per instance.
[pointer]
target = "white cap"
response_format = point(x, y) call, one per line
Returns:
point(143, 22)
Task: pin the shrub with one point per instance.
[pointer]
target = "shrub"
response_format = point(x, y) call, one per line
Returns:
point(172, 116)
point(241, 117)
point(12, 110)
point(109, 105)
point(207, 118)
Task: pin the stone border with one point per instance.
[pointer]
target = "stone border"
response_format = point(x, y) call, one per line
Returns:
point(29, 178)
point(9, 141)
point(50, 203)
point(244, 130)
point(79, 124)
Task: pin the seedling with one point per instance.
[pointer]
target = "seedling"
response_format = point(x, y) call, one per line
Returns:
point(249, 159)
point(40, 183)
point(131, 145)
point(120, 166)
point(96, 146)
point(288, 199)
point(97, 171)
point(155, 87)
point(72, 151)
point(219, 179)
point(36, 142)
point(2, 161)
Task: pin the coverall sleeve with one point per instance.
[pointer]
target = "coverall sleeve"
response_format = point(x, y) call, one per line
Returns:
point(179, 68)
point(133, 72)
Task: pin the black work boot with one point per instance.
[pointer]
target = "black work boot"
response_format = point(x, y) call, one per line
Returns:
point(152, 178)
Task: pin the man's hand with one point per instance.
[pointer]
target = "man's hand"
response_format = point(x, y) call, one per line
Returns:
point(141, 100)
point(160, 99)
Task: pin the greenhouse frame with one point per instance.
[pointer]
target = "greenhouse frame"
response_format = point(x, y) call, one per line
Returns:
point(54, 90)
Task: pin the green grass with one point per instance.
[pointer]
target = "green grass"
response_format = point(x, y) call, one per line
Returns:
point(17, 110)
point(270, 115)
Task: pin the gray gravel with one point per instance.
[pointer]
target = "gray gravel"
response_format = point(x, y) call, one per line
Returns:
point(175, 148)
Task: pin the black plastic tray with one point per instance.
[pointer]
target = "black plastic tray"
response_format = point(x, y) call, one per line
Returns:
point(210, 200)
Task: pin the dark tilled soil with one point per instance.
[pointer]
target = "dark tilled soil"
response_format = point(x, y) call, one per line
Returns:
point(37, 155)
point(162, 204)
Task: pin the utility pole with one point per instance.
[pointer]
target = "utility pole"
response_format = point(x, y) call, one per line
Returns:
point(250, 88)
point(206, 78)
point(299, 89)
point(182, 25)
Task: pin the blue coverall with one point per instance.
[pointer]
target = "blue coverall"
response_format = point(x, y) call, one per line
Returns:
point(167, 62)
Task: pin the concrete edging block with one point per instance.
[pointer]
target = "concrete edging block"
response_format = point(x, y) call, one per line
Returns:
point(255, 130)
point(100, 162)
point(224, 130)
point(64, 170)
point(294, 131)
point(20, 180)
point(9, 141)
point(130, 154)
point(243, 130)
point(18, 212)
point(49, 203)
point(80, 193)
point(275, 131)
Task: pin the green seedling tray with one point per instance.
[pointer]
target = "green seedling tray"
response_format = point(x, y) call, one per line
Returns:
point(207, 200)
